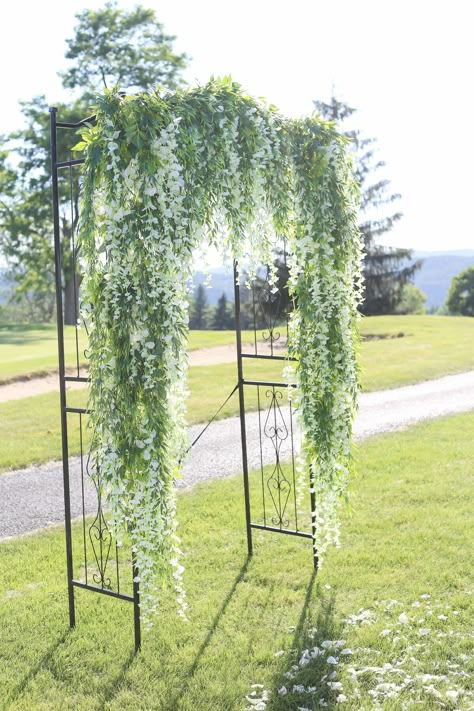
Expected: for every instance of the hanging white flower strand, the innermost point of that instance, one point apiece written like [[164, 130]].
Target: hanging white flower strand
[[162, 175]]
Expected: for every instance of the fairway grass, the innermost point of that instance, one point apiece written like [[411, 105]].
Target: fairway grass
[[28, 350], [398, 595], [431, 346]]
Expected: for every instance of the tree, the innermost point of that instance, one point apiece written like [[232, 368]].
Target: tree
[[223, 317], [412, 301], [115, 47], [461, 293], [386, 269], [198, 317], [125, 47]]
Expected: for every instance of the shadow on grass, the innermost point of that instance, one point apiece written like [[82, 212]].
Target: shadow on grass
[[315, 674], [42, 664], [112, 689], [173, 704]]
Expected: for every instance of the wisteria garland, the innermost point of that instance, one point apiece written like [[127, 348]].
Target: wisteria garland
[[163, 175]]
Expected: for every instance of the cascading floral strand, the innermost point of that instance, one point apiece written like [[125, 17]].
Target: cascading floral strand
[[164, 175]]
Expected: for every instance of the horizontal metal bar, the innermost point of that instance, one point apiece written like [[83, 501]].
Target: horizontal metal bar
[[78, 410], [270, 383], [102, 591], [266, 357], [69, 163], [287, 531], [82, 122], [76, 379]]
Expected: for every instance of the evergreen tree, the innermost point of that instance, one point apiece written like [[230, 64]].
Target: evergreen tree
[[199, 307], [111, 46], [386, 269], [223, 316]]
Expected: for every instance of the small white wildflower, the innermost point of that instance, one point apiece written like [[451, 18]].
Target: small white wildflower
[[282, 691]]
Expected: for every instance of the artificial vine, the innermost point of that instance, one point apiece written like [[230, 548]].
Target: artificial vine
[[163, 175]]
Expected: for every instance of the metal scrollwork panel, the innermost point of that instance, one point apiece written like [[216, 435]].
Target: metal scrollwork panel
[[274, 448], [278, 486], [99, 533]]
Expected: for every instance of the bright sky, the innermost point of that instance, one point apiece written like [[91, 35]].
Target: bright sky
[[405, 64]]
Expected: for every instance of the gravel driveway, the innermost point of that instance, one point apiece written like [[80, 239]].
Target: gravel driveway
[[32, 498]]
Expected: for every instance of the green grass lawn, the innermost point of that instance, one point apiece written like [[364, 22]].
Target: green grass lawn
[[31, 349], [409, 536], [431, 346]]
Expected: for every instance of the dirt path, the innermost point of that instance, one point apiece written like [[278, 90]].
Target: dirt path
[[50, 383]]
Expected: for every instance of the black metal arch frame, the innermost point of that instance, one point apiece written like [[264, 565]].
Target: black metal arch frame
[[102, 563]]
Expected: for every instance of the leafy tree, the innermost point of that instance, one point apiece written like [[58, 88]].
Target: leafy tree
[[223, 317], [124, 47], [412, 301], [198, 318], [386, 269], [461, 293], [115, 47]]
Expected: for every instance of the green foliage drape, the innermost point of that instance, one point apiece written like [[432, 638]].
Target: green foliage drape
[[163, 174]]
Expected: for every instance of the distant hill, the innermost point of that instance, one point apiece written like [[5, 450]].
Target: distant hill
[[221, 281], [437, 271]]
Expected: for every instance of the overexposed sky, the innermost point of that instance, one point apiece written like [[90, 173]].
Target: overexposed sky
[[406, 65]]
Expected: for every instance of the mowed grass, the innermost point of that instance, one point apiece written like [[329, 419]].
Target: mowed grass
[[31, 349], [430, 347], [409, 536]]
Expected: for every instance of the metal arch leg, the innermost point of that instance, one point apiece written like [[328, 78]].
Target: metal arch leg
[[136, 609], [243, 434]]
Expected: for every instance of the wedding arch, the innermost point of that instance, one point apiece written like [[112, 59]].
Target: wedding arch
[[162, 175]]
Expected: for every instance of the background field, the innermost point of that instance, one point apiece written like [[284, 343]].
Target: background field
[[431, 346], [409, 536], [32, 349]]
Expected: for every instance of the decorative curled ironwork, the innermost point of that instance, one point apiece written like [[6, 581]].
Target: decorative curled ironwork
[[277, 484], [99, 533], [269, 300]]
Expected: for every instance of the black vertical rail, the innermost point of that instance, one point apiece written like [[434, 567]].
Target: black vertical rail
[[136, 607], [62, 383], [313, 522], [243, 433]]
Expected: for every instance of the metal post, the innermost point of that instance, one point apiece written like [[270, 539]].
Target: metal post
[[313, 525], [243, 435], [62, 383], [136, 608]]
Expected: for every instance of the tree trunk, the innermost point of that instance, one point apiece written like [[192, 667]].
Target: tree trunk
[[71, 300]]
